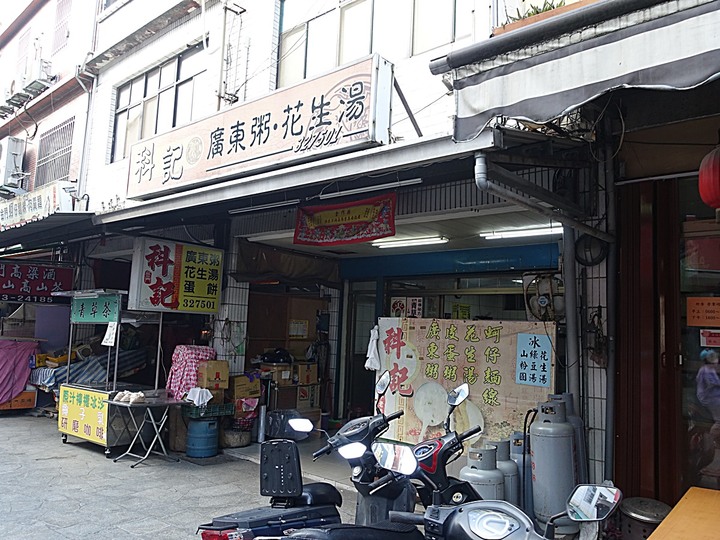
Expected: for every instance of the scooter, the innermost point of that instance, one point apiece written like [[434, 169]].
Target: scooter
[[493, 520], [294, 505], [353, 442]]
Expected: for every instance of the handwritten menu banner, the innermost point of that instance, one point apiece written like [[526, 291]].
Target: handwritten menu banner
[[170, 276], [345, 109], [428, 357], [34, 282]]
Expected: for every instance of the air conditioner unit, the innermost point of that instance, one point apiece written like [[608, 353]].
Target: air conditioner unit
[[14, 96], [12, 152], [39, 77]]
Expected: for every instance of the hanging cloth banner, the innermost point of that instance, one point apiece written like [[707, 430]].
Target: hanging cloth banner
[[346, 223]]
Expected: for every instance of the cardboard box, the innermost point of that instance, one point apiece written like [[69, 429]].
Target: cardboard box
[[307, 372], [218, 396], [243, 386], [308, 396], [282, 374], [213, 374], [26, 400]]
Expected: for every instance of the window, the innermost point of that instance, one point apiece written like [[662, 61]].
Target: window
[[62, 25], [54, 149], [165, 97], [318, 36]]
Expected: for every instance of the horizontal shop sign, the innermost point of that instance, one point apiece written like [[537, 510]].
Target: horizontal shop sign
[[34, 282], [346, 109], [35, 205]]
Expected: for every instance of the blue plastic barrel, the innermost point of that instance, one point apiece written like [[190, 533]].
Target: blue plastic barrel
[[202, 438]]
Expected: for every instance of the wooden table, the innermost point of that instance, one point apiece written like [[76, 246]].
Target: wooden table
[[694, 517]]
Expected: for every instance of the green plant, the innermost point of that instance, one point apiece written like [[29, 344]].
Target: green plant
[[535, 10]]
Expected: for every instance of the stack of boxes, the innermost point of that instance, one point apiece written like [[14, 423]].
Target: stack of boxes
[[215, 376]]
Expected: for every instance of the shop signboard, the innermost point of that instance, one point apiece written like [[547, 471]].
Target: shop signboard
[[507, 364], [703, 311], [343, 110], [175, 277], [95, 309], [38, 204], [346, 223], [27, 281], [83, 413]]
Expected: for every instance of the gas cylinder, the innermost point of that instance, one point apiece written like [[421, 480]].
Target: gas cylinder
[[581, 462], [552, 447], [482, 473], [509, 469], [521, 456]]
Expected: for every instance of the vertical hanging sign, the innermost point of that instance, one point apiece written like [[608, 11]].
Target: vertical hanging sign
[[172, 276]]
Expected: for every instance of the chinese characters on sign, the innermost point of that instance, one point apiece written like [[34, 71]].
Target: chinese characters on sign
[[533, 360], [428, 357], [29, 282], [703, 311], [169, 276], [83, 413], [37, 204], [103, 309], [347, 108]]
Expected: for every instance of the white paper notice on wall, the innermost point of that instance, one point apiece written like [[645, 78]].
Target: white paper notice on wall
[[109, 339]]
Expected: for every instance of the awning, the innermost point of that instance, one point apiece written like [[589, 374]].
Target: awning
[[55, 228], [667, 46]]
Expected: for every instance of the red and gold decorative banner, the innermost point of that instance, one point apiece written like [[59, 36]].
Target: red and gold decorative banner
[[346, 223]]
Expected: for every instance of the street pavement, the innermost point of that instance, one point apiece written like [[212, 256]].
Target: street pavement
[[50, 490]]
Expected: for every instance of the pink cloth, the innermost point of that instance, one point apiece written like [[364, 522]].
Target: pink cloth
[[14, 367], [183, 372]]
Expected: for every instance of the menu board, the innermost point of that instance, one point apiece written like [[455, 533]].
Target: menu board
[[508, 365]]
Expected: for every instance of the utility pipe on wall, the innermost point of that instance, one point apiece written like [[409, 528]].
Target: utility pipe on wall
[[571, 316]]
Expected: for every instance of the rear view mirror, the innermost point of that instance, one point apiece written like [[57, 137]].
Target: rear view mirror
[[592, 502], [303, 425], [382, 383], [458, 395], [395, 457]]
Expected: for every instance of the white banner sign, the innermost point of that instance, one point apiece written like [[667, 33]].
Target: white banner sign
[[36, 205]]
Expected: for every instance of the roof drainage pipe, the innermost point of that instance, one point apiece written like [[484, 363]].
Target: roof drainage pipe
[[484, 183], [540, 31]]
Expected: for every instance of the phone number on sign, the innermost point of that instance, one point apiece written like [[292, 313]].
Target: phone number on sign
[[192, 303], [26, 298]]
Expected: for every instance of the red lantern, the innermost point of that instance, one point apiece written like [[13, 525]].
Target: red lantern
[[709, 180]]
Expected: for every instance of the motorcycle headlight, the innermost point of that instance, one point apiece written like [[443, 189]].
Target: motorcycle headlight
[[352, 451], [491, 525]]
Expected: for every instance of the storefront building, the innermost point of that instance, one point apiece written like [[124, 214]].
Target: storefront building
[[652, 119]]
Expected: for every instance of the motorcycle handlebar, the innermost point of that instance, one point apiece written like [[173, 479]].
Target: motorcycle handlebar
[[393, 416], [324, 450], [406, 517], [380, 481], [469, 433]]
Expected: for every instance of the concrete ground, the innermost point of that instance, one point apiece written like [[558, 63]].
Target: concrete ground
[[50, 490]]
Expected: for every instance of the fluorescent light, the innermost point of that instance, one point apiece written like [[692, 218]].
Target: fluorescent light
[[523, 233], [268, 206], [357, 191], [408, 242]]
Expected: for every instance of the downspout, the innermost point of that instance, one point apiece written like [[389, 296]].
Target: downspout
[[612, 269], [483, 182], [571, 315], [82, 180]]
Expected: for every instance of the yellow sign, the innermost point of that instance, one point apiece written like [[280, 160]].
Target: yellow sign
[[83, 414], [703, 311]]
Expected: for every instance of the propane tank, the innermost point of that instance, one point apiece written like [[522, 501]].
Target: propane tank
[[552, 447], [482, 473], [576, 422], [509, 469], [522, 457]]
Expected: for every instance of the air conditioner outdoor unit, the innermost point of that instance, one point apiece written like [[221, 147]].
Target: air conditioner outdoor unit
[[39, 77], [12, 151]]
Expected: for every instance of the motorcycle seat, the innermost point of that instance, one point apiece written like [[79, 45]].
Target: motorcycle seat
[[346, 531], [317, 494]]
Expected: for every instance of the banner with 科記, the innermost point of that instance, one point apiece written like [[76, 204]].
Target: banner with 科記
[[508, 366], [346, 223]]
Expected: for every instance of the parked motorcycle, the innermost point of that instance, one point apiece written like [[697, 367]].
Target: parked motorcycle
[[295, 506], [493, 520]]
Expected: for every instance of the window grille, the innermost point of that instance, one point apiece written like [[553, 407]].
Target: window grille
[[54, 152]]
